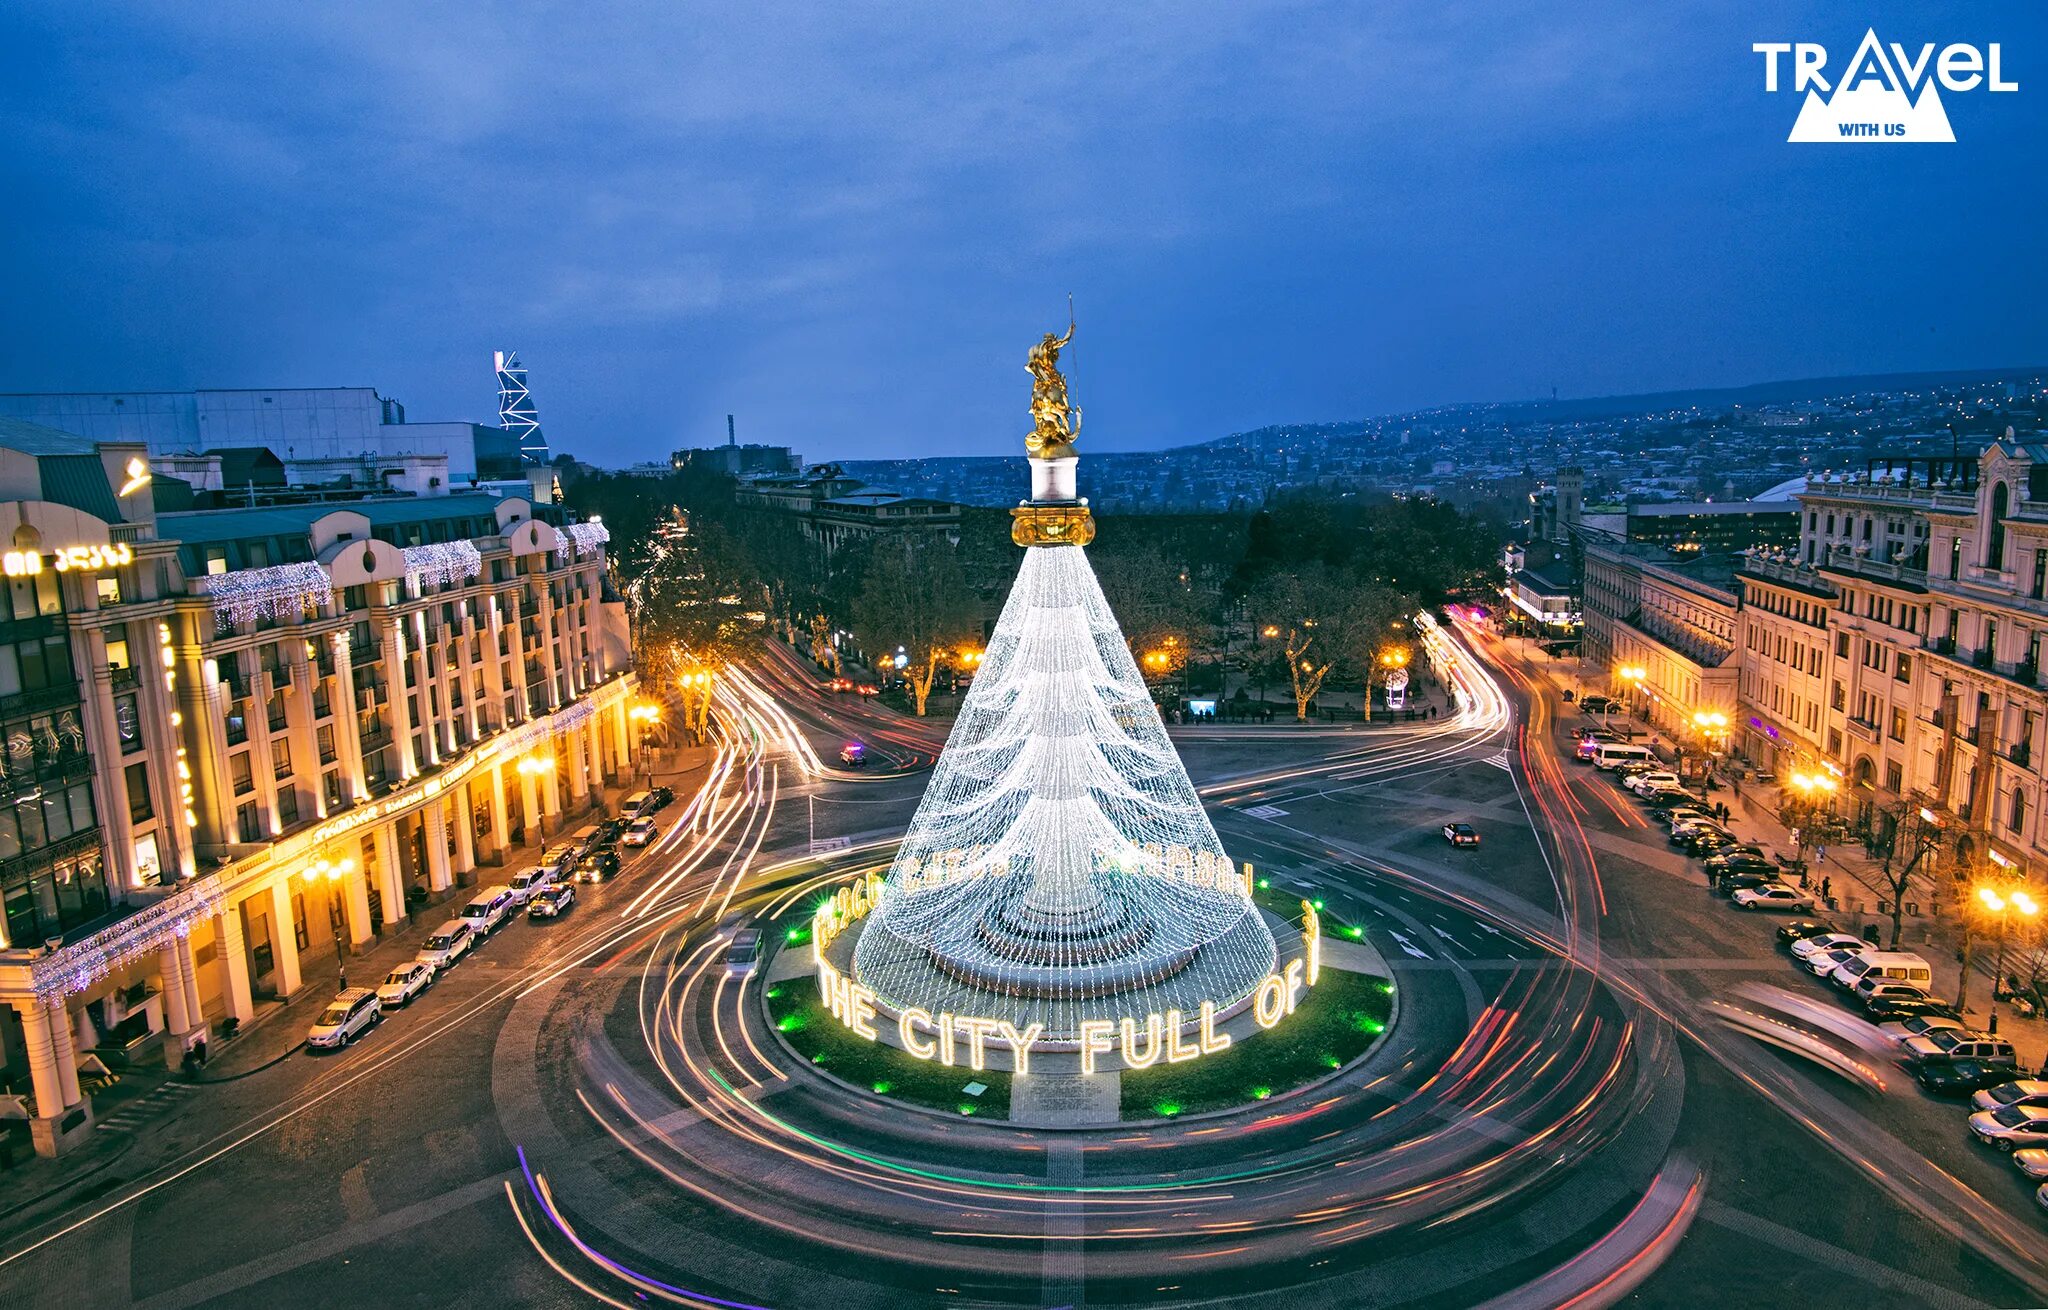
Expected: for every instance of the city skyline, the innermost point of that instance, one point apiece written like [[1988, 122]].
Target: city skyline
[[840, 233]]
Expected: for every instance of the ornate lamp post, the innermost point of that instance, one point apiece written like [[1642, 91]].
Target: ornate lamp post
[[646, 715], [2002, 904], [333, 872]]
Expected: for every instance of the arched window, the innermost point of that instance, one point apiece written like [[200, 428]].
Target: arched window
[[2019, 811], [1994, 530]]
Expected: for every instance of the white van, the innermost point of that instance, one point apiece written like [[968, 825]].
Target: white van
[[1612, 754], [583, 839], [1891, 966], [633, 804], [447, 944], [528, 881], [488, 908]]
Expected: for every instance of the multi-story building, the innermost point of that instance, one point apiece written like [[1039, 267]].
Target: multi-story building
[[1675, 619], [833, 511], [239, 741]]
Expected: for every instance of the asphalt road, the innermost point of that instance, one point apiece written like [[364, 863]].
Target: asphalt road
[[388, 1175]]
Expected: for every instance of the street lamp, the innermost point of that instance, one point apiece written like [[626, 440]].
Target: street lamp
[[646, 714], [537, 767], [2004, 905], [333, 872], [1395, 657]]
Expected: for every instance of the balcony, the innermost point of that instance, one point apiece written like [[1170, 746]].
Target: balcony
[[43, 698], [125, 678], [1865, 729], [2022, 754], [1981, 658], [1942, 645]]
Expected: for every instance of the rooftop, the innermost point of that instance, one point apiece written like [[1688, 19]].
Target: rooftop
[[35, 439]]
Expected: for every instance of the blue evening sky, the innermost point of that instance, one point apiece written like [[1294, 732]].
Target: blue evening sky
[[846, 222]]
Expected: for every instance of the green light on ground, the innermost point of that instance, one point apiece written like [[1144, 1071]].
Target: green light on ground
[[882, 1088], [790, 1023], [1332, 1062], [1388, 987], [966, 1109], [794, 935], [1265, 883], [819, 1058], [1261, 1093], [1167, 1109], [1366, 1025], [1354, 932], [774, 992], [1318, 903]]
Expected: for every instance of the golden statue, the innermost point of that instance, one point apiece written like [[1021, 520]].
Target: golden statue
[[1054, 421]]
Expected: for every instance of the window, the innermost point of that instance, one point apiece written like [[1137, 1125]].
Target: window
[[1955, 557], [1894, 778], [139, 808], [281, 758], [2018, 821], [127, 723], [2040, 574], [1903, 670], [249, 822], [324, 738], [109, 588], [238, 769], [288, 805], [1898, 730], [1841, 645], [1994, 529], [216, 560]]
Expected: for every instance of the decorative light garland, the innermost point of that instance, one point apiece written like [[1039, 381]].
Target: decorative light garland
[[439, 563], [585, 538], [79, 965], [277, 592]]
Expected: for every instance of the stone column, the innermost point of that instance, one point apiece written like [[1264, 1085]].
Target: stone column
[[494, 664], [177, 1019], [396, 692], [355, 894], [529, 805], [262, 764], [65, 1054], [301, 733], [465, 836], [284, 938], [42, 1057], [579, 768], [188, 973], [389, 882], [437, 847], [348, 743], [234, 959], [630, 742], [501, 822]]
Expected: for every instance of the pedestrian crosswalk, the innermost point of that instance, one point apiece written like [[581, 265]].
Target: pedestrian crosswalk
[[135, 1112]]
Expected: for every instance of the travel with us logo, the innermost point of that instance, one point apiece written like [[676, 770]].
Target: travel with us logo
[[1885, 92]]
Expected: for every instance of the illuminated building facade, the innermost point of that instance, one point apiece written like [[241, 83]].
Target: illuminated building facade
[[240, 741]]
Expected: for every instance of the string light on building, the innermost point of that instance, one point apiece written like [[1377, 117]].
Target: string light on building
[[278, 592], [439, 563]]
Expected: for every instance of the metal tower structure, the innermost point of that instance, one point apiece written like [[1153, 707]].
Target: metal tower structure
[[516, 413]]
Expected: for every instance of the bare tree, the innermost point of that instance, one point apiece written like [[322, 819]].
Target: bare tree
[[916, 598]]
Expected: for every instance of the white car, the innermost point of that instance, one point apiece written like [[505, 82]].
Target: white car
[[640, 832], [1823, 963], [1772, 896], [348, 1016], [1905, 1030], [403, 983], [2032, 1161], [2012, 1127], [447, 944], [2026, 1091], [1827, 941], [1649, 780]]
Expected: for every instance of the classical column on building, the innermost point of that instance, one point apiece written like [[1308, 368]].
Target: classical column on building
[[262, 762], [161, 738], [284, 939], [530, 805], [109, 783], [464, 671], [347, 740], [630, 743], [202, 721], [391, 638], [436, 842], [494, 663], [593, 745], [233, 953], [390, 885], [354, 888], [298, 716], [578, 744], [548, 617], [519, 653], [501, 820], [41, 1048], [65, 1054], [177, 1013], [464, 820]]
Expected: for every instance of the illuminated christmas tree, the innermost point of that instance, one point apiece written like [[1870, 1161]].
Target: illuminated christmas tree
[[1060, 866]]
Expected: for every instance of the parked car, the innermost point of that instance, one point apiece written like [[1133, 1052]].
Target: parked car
[[1596, 705], [1883, 990], [1887, 966], [348, 1016], [1642, 783], [1823, 963], [1728, 884], [2011, 1126], [403, 983], [1961, 1077], [1772, 896], [1819, 942], [600, 866], [1898, 1009], [1728, 862], [447, 944], [528, 881], [487, 909], [662, 797], [551, 901], [640, 802], [1663, 798], [2024, 1091], [2032, 1161], [1904, 1030], [610, 830], [1957, 1044], [1800, 929], [1461, 834], [640, 832]]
